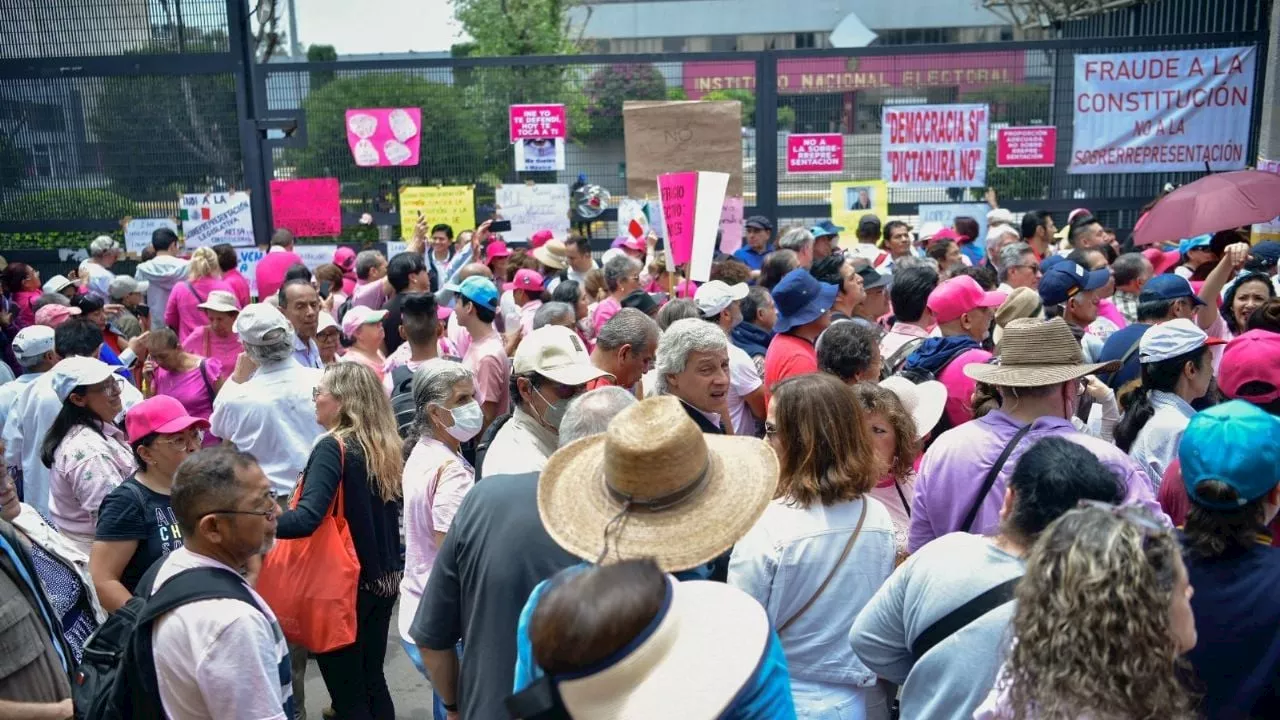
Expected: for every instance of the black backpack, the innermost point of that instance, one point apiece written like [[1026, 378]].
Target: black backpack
[[402, 404], [116, 678]]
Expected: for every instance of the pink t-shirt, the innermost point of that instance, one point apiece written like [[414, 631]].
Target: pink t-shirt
[[487, 360], [435, 481], [960, 387], [24, 300], [203, 342], [355, 357], [458, 335], [195, 389], [371, 295], [1108, 310], [271, 269], [526, 316], [239, 285], [607, 308], [182, 313]]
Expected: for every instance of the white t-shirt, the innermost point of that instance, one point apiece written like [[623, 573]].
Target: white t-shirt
[[743, 380], [219, 658]]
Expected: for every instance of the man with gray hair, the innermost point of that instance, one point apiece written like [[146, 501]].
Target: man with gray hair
[[128, 293], [799, 241], [96, 271], [554, 313], [693, 366], [625, 348], [591, 413], [1018, 267], [371, 266]]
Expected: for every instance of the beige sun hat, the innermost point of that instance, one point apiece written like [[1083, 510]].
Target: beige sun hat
[[653, 486], [553, 254], [1034, 353], [1023, 302]]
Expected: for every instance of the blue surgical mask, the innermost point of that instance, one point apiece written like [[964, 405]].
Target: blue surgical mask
[[467, 420]]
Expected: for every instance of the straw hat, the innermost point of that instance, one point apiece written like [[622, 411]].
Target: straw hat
[[553, 254], [1023, 302], [658, 486], [1034, 353]]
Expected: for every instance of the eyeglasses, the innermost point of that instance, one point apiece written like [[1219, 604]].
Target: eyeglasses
[[317, 391], [183, 439], [270, 514], [770, 430], [106, 387]]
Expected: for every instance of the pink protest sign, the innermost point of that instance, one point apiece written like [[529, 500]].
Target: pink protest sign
[[381, 137], [537, 122], [1032, 146], [816, 153], [679, 194], [731, 225], [307, 208]]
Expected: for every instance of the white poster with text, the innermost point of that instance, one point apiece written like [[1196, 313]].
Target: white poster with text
[[531, 208], [934, 145], [1164, 111]]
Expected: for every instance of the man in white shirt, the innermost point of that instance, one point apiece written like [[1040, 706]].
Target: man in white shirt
[[96, 271], [269, 413], [162, 273], [221, 658], [578, 251], [300, 304], [33, 346], [720, 304]]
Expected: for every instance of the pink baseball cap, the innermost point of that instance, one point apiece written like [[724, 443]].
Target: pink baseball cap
[[960, 295], [54, 315], [635, 243], [540, 238], [344, 257], [947, 233], [160, 414], [1250, 358], [497, 249], [525, 280]]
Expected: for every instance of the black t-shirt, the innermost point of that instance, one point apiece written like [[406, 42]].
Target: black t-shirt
[[391, 324], [134, 511]]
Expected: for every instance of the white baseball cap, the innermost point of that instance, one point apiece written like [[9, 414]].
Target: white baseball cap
[[257, 321], [1173, 338], [33, 341], [325, 322], [713, 297], [557, 353], [73, 372]]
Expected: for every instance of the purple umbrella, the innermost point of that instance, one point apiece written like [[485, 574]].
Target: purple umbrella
[[1222, 201]]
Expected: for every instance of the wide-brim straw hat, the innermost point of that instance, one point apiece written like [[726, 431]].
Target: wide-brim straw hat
[[553, 254], [661, 489], [1034, 353]]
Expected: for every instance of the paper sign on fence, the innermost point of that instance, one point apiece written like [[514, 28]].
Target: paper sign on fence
[[852, 199], [381, 137], [537, 155], [934, 145], [1030, 146], [706, 222], [945, 214], [249, 258], [1267, 230], [678, 193], [453, 205], [307, 208], [537, 122], [212, 218], [531, 208], [1163, 111], [731, 225], [137, 232], [815, 153], [313, 256]]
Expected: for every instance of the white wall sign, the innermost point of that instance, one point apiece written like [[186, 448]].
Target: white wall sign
[[531, 208]]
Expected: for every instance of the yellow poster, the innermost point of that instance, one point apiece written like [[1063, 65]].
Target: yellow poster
[[852, 199], [453, 205]]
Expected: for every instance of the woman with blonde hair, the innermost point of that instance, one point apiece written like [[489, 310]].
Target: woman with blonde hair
[[822, 547], [1103, 617], [204, 275], [361, 454]]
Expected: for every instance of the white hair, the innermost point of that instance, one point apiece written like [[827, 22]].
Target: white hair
[[102, 245], [590, 413], [796, 239], [681, 339], [120, 286], [1009, 256], [273, 351], [617, 268], [553, 313]]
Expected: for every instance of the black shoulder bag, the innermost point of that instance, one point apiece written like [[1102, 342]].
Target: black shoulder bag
[[991, 478]]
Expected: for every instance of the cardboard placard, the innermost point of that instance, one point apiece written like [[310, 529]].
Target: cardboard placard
[[453, 205], [531, 208], [852, 199], [307, 208], [663, 137], [137, 232], [382, 137], [212, 218]]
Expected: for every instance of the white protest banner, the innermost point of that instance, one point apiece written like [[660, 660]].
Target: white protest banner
[[706, 223], [212, 218], [1163, 111], [531, 208], [249, 258], [137, 233], [535, 155], [934, 145], [313, 256]]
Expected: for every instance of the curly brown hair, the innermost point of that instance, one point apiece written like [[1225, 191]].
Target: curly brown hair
[[1094, 637], [878, 400], [826, 451]]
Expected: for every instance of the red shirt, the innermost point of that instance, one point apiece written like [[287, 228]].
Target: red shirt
[[787, 356], [271, 269]]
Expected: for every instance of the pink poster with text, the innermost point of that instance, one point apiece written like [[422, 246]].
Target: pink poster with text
[[537, 122], [679, 195], [307, 208], [815, 153], [1031, 146], [385, 137]]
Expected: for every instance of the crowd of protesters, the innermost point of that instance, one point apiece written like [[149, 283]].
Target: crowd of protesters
[[900, 472]]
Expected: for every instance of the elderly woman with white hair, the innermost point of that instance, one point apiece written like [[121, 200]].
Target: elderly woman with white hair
[[799, 241], [621, 276], [693, 366], [436, 476]]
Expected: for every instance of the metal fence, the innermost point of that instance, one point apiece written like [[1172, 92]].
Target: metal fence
[[145, 111]]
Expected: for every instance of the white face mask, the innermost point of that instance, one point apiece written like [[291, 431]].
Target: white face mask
[[467, 420]]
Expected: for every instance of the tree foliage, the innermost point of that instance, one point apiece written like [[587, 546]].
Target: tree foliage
[[13, 162], [786, 115], [610, 86]]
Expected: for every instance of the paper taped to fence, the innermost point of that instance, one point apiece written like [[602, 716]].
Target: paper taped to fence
[[453, 205], [731, 225], [307, 208], [1162, 111], [382, 137], [531, 208], [665, 137], [539, 155], [934, 145], [249, 257], [852, 199], [213, 218], [137, 232]]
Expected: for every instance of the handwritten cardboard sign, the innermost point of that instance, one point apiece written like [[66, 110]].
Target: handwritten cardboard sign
[[137, 232], [453, 205], [307, 208], [934, 145], [1030, 146], [678, 193], [212, 218], [537, 122], [663, 137], [380, 137], [731, 225], [531, 208], [815, 153]]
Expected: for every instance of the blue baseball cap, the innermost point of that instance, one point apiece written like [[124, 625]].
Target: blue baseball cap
[[1235, 443], [478, 289], [1064, 279], [824, 228], [1167, 287], [1047, 264], [800, 299], [1191, 243]]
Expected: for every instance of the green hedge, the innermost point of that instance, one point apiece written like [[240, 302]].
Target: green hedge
[[69, 205]]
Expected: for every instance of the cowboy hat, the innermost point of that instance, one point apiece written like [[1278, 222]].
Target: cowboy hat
[[1034, 353], [653, 486], [924, 402]]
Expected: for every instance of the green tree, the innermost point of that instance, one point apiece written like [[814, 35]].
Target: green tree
[[1013, 104], [786, 115], [13, 162], [611, 86], [321, 53]]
